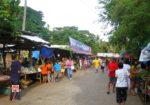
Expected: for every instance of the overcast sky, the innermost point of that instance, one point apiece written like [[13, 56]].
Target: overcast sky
[[80, 13]]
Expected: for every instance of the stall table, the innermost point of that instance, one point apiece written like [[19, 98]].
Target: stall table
[[38, 75], [4, 83]]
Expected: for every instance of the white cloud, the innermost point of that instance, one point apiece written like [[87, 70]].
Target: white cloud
[[80, 13]]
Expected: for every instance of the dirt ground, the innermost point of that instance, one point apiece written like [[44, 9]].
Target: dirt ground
[[86, 88]]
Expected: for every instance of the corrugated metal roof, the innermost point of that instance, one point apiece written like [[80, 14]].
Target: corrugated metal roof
[[35, 39]]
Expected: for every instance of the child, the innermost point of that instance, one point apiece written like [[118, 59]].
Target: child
[[62, 68], [57, 69], [44, 70]]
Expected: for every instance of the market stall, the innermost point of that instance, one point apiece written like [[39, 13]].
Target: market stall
[[26, 73], [24, 46], [61, 51], [4, 84], [144, 82]]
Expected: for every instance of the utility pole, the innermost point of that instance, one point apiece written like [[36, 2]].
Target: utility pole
[[24, 16]]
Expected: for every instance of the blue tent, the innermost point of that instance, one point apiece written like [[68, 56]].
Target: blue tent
[[46, 52]]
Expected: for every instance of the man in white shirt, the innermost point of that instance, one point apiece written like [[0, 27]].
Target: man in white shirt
[[121, 84]]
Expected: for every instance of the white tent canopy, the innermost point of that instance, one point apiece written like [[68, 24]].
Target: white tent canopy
[[65, 47], [145, 54], [116, 55]]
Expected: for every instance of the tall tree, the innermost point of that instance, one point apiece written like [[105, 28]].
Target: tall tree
[[60, 35], [34, 22], [131, 21], [9, 10]]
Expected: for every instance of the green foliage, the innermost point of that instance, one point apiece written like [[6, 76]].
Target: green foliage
[[61, 36], [131, 19], [9, 10], [34, 22]]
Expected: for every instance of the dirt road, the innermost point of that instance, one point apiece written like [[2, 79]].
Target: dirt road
[[86, 88]]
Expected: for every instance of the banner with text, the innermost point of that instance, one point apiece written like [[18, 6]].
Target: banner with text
[[79, 47]]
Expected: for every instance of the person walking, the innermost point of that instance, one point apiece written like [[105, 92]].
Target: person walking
[[85, 64], [121, 84], [112, 67], [69, 67], [80, 63], [62, 68], [15, 78], [96, 64], [57, 70]]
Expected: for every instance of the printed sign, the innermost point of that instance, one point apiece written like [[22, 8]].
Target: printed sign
[[79, 47], [15, 88]]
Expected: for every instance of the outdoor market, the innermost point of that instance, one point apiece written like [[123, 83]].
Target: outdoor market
[[74, 52], [34, 50]]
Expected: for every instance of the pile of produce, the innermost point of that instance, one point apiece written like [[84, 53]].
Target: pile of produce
[[26, 70]]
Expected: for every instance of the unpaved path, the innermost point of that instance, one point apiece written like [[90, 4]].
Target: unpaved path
[[86, 88]]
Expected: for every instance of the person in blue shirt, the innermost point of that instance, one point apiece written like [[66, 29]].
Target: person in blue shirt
[[57, 70]]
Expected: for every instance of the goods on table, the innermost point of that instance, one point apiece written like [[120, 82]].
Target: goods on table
[[26, 70], [26, 82]]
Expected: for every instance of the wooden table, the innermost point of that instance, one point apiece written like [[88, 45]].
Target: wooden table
[[38, 75]]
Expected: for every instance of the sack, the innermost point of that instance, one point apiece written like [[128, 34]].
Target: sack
[[39, 69]]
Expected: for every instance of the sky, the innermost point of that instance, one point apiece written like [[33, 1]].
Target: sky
[[83, 14]]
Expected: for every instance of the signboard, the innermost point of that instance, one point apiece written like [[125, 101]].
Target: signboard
[[15, 88], [79, 47], [116, 55]]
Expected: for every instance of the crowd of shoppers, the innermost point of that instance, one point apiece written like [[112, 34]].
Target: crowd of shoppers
[[122, 73]]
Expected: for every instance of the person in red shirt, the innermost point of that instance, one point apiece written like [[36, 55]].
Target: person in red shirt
[[112, 67]]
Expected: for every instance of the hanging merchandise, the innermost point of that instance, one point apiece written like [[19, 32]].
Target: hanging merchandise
[[25, 53], [36, 54]]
